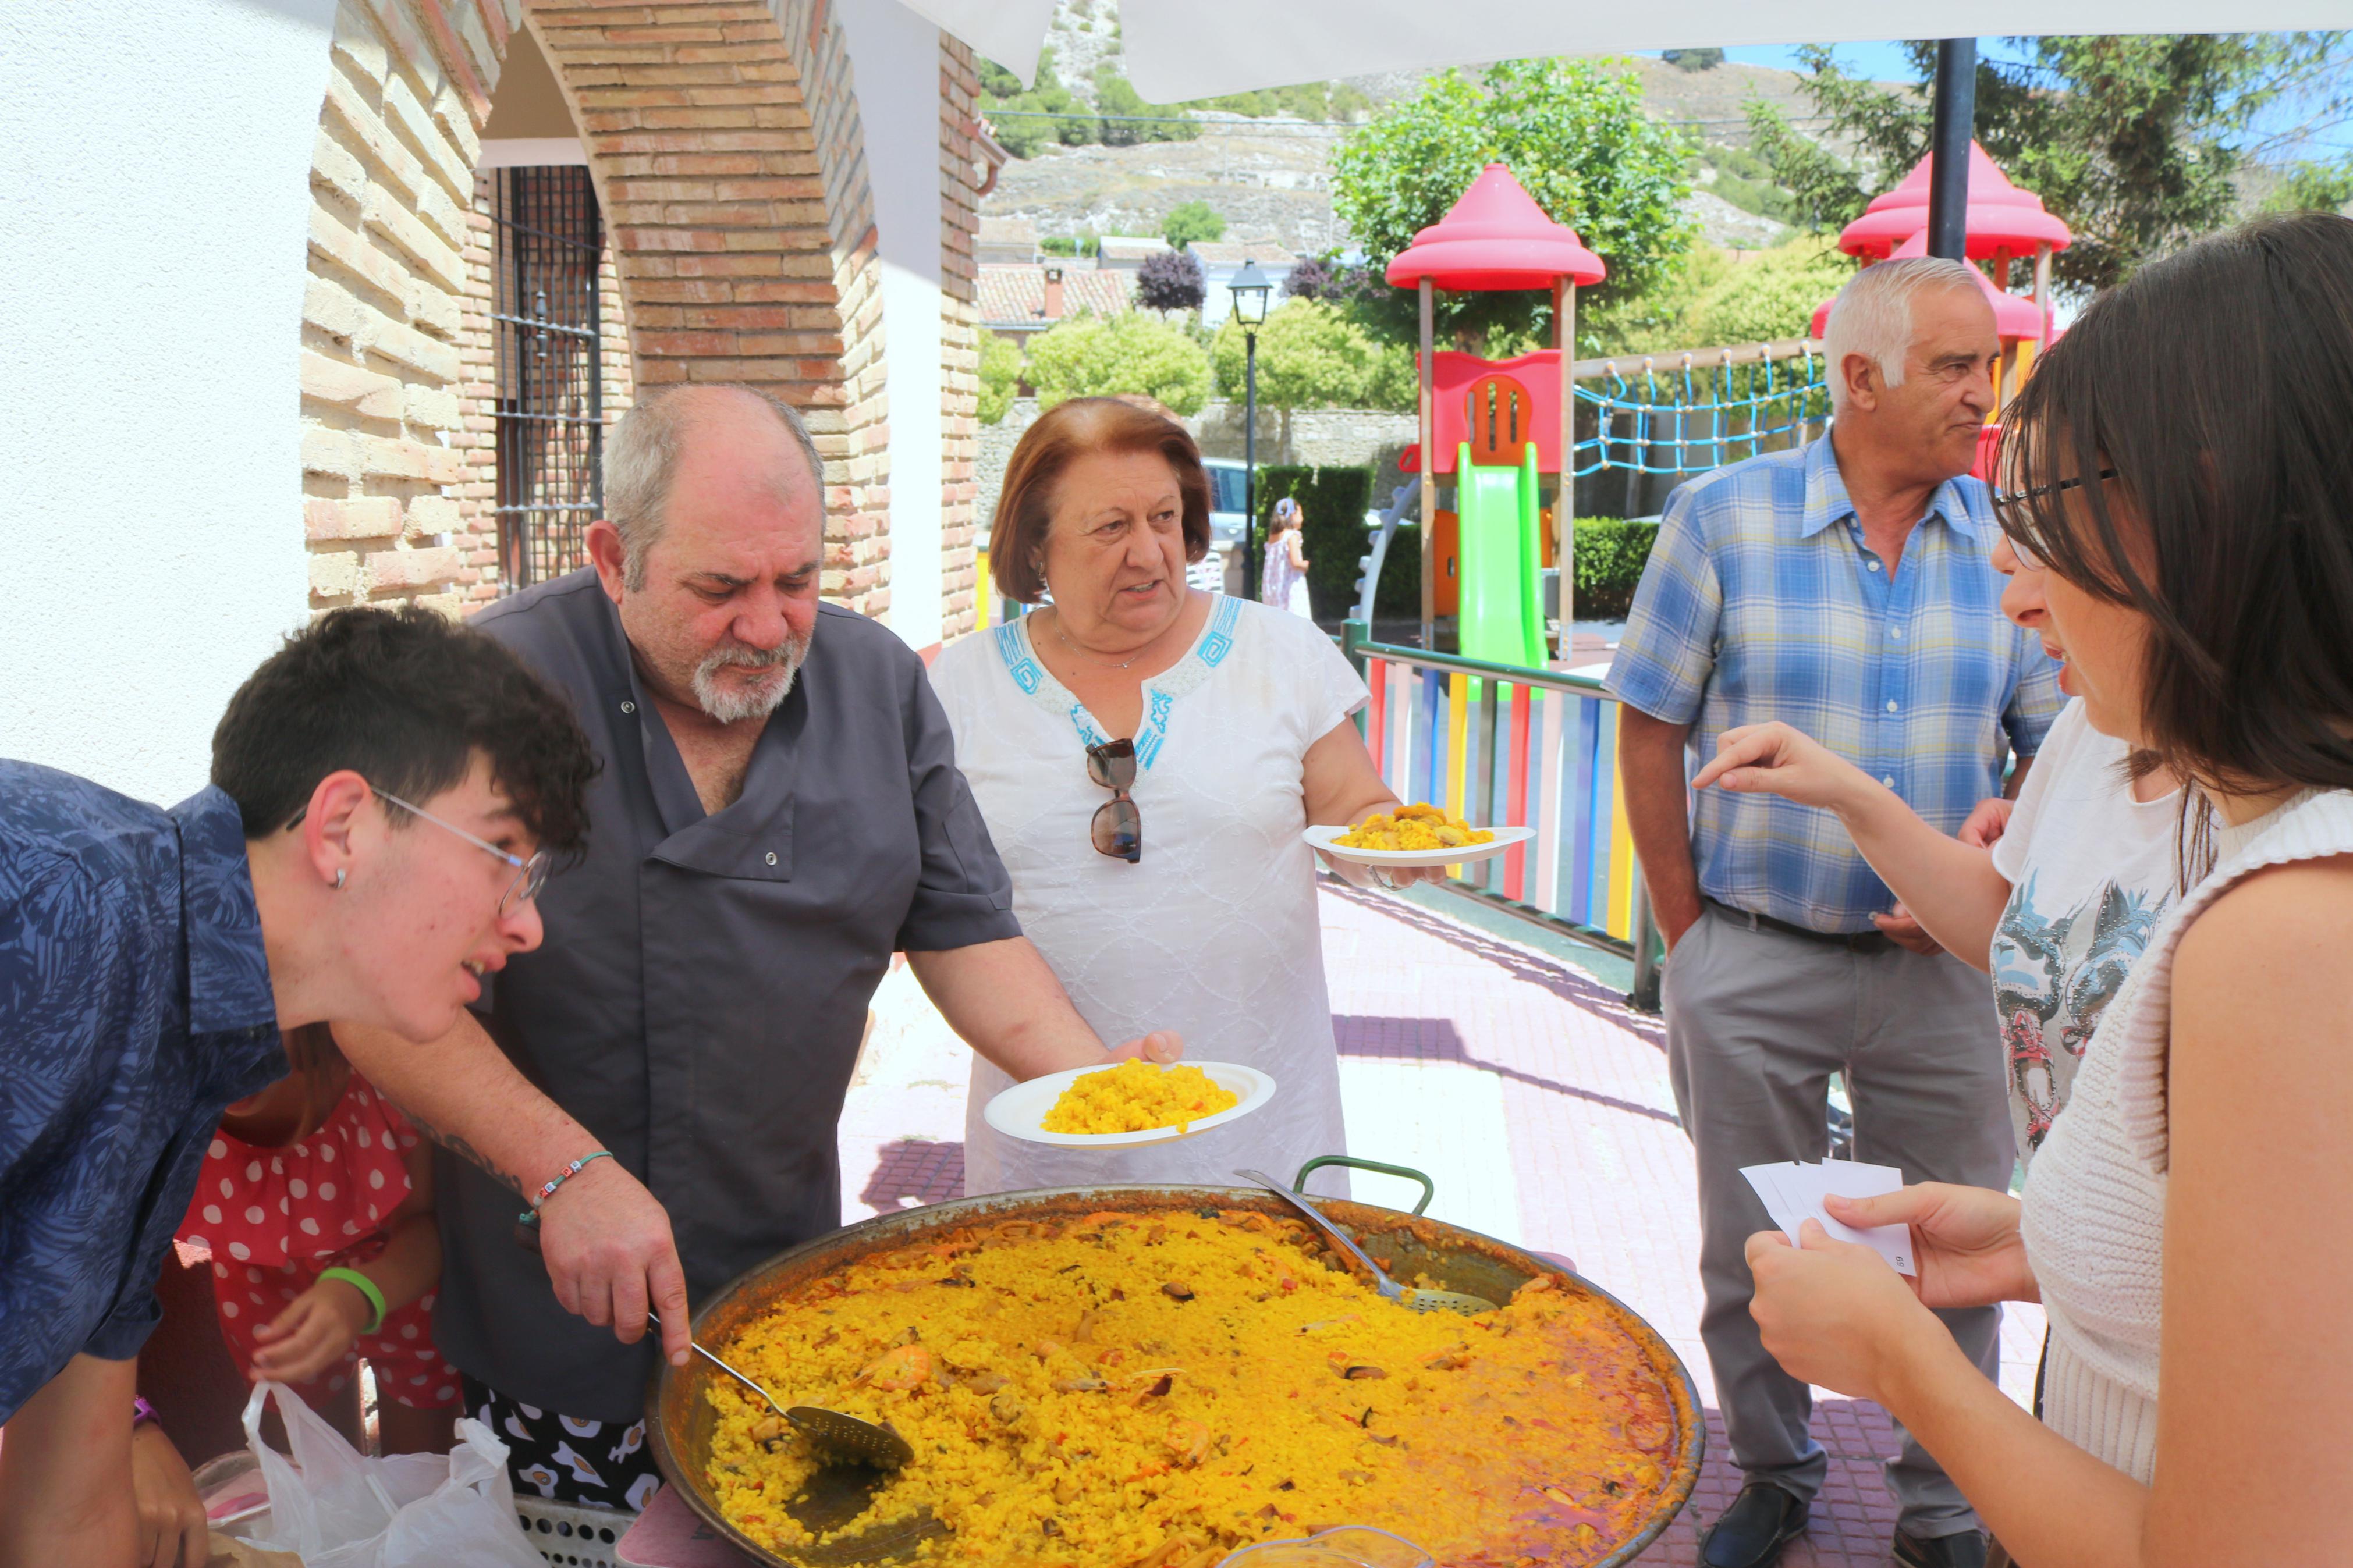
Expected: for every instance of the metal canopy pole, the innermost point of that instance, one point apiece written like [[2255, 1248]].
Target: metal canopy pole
[[1429, 466], [1949, 145], [1564, 510], [1251, 567]]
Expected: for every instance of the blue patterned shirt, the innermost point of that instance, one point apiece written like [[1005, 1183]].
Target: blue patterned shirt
[[1761, 602], [134, 1004]]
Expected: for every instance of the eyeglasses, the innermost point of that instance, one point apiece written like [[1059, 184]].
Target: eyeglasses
[[1118, 826], [530, 875], [2010, 510]]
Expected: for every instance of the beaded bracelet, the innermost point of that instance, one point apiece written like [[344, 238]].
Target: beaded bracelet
[[530, 1216], [366, 1286]]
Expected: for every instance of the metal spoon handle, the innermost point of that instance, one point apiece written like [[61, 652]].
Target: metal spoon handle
[[1387, 1286], [723, 1366]]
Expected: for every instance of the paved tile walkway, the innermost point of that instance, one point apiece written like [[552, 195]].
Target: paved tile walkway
[[1537, 1101]]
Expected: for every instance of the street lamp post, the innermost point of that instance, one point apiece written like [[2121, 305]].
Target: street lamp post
[[1250, 289]]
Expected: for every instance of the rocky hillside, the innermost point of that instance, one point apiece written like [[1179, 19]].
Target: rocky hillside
[[1270, 177]]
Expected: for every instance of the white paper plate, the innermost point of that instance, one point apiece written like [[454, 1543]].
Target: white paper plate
[[1468, 854], [1017, 1111]]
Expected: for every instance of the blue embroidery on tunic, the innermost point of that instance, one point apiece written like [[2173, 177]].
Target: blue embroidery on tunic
[[1220, 640], [1155, 727], [1032, 676], [1025, 670]]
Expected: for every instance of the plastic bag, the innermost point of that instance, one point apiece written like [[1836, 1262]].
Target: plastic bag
[[340, 1509]]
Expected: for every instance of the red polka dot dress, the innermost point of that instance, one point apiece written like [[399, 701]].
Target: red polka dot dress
[[275, 1218]]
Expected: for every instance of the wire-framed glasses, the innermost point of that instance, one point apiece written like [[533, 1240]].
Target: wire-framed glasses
[[530, 875], [1118, 828], [2010, 510]]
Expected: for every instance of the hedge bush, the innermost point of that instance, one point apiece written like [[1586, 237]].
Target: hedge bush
[[1334, 500], [1611, 551], [1611, 555]]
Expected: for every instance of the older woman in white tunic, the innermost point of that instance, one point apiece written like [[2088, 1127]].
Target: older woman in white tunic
[[1186, 898]]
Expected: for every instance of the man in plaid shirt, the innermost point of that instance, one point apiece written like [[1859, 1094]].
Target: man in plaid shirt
[[1845, 588]]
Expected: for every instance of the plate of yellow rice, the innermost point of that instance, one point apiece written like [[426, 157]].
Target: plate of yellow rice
[[1130, 1105], [1415, 835]]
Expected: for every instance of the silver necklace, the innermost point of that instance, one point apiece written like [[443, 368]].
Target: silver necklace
[[1089, 658]]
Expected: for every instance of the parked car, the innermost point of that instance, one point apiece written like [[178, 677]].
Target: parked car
[[1229, 523]]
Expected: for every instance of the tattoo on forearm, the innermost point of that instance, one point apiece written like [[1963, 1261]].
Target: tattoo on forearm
[[468, 1153]]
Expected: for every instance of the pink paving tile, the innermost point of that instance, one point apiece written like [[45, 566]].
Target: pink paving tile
[[912, 1172]]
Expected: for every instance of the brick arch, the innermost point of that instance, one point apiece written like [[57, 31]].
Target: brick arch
[[724, 141], [725, 145]]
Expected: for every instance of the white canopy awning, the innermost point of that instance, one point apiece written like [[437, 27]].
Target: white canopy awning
[[1177, 50]]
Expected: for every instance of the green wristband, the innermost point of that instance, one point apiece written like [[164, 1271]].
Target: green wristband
[[366, 1286]]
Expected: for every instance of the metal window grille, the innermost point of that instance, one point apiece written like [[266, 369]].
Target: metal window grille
[[548, 237]]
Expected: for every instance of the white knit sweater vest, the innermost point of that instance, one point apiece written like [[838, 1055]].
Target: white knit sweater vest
[[2095, 1205]]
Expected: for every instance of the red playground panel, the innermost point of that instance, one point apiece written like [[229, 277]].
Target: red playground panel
[[1525, 405]]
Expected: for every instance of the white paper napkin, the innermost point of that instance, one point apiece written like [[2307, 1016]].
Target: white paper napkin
[[1793, 1194]]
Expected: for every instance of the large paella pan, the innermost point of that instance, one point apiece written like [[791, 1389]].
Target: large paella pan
[[1073, 1344]]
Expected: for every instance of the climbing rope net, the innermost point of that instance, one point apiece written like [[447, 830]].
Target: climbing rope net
[[1679, 414]]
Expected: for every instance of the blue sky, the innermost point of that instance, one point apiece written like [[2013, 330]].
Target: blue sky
[[1888, 62], [1883, 61]]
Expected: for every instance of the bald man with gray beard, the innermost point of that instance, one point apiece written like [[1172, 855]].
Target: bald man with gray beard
[[779, 811]]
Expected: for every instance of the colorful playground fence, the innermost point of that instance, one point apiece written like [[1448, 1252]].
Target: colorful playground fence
[[1504, 744]]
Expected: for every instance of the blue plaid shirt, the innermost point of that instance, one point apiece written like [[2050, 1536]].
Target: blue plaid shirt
[[134, 1004], [1760, 602]]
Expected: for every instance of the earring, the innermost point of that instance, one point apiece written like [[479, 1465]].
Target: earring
[[340, 874]]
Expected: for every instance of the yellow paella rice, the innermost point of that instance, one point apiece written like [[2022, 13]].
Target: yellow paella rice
[[1138, 1097], [1157, 1388], [1414, 828]]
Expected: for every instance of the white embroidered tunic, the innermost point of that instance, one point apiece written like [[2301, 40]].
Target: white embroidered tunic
[[1214, 933]]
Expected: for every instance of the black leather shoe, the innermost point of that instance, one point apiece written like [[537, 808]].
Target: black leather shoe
[[1965, 1550], [1750, 1534]]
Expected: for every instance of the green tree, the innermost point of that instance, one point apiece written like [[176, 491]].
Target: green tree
[[1128, 120], [1825, 190], [1692, 59], [1311, 355], [1769, 296], [2136, 141], [1087, 356], [1000, 376], [1044, 115], [1572, 132], [2313, 187], [1324, 100], [1190, 221]]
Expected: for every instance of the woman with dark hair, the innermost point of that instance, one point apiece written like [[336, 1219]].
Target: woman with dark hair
[[2179, 485], [1145, 756]]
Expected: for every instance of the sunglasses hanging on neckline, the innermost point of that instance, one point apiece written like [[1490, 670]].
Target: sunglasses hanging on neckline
[[1117, 829]]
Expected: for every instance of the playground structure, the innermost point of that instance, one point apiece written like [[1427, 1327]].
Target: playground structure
[[1495, 428], [1499, 730]]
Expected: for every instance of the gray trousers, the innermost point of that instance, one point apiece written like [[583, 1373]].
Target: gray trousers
[[1757, 1022]]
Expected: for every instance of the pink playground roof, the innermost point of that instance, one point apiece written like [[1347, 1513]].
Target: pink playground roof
[[2014, 315], [2001, 216], [1495, 238]]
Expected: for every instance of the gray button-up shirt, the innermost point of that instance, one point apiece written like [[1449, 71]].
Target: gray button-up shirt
[[698, 1000]]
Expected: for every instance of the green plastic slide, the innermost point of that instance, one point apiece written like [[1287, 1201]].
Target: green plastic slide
[[1499, 552]]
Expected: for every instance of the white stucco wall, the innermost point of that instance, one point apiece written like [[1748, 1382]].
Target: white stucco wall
[[895, 64], [154, 190]]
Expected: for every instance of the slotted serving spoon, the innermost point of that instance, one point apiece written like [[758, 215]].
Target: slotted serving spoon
[[1411, 1298], [842, 1439], [859, 1458]]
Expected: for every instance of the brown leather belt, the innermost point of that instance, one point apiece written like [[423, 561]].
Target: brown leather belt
[[1852, 941]]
